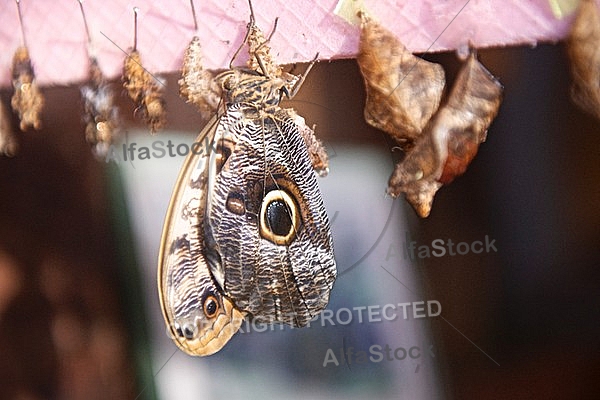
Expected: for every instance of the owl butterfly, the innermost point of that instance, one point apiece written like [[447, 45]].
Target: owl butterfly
[[27, 101], [246, 233], [584, 52], [403, 98], [8, 143], [100, 112]]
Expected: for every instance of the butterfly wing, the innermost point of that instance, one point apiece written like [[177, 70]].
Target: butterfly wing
[[267, 221], [200, 319]]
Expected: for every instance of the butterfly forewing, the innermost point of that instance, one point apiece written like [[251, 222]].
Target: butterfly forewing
[[267, 218]]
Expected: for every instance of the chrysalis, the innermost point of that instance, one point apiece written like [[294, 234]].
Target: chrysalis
[[197, 85], [403, 91], [144, 89], [260, 58], [8, 142], [451, 139], [100, 113], [403, 98], [27, 101], [584, 52]]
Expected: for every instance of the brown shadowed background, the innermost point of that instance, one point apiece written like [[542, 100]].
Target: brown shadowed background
[[519, 323]]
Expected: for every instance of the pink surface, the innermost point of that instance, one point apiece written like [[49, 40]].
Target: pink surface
[[56, 37]]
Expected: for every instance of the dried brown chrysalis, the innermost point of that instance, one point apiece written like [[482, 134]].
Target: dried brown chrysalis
[[145, 91], [403, 91], [260, 59], [100, 112], [584, 52], [451, 139], [260, 51], [8, 142], [403, 97], [197, 85], [27, 101]]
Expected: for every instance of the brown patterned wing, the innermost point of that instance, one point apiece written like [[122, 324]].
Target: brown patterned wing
[[199, 317]]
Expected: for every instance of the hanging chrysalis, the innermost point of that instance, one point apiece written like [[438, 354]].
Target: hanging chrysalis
[[584, 53], [8, 142], [259, 51], [451, 139], [27, 101], [143, 88], [101, 116], [100, 113], [198, 85], [403, 91]]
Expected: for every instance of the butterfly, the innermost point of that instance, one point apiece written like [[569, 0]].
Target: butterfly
[[246, 232]]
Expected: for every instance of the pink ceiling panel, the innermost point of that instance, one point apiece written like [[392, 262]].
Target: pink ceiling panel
[[56, 38]]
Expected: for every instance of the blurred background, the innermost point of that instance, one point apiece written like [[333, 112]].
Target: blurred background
[[79, 313]]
